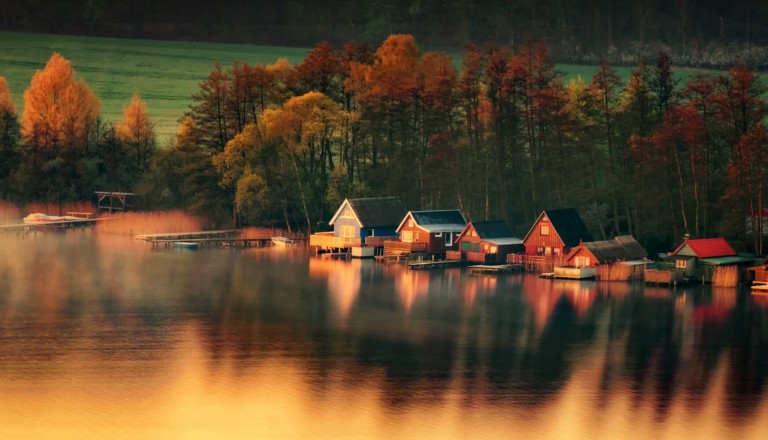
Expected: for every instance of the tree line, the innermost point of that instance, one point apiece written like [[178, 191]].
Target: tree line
[[697, 32], [498, 135]]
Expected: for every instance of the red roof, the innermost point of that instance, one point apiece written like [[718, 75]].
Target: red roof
[[708, 247]]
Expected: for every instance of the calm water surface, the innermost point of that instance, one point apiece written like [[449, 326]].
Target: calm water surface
[[103, 337]]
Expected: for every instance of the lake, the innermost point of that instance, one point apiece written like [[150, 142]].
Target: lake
[[104, 337]]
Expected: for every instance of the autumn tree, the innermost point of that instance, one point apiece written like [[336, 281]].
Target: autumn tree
[[608, 91], [9, 140], [137, 131], [59, 119]]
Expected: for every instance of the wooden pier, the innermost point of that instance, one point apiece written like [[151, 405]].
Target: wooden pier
[[221, 238], [496, 269], [440, 264]]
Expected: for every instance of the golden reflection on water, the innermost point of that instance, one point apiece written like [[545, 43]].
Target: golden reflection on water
[[114, 340]]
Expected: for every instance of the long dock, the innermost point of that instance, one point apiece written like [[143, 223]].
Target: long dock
[[219, 238], [483, 269], [441, 264]]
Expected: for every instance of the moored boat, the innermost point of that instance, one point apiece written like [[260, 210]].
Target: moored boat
[[186, 244], [281, 241]]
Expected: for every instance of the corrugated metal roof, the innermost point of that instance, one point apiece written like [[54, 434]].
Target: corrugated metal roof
[[506, 241], [707, 247], [726, 261], [624, 247], [448, 220]]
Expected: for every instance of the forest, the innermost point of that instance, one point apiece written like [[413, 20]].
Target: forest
[[700, 33], [498, 135]]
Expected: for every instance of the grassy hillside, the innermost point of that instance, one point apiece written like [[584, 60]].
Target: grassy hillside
[[165, 73]]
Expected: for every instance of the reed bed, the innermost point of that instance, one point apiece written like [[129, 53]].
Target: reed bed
[[8, 212], [613, 272], [725, 276], [133, 223], [262, 232]]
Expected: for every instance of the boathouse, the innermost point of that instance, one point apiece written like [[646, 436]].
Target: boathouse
[[620, 259], [486, 242], [427, 232], [361, 222], [710, 260], [552, 236]]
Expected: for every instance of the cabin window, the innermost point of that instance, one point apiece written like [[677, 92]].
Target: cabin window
[[494, 250], [347, 214], [681, 264], [556, 251], [547, 250], [410, 222], [473, 233], [448, 239], [544, 230], [347, 231], [582, 261], [407, 236], [540, 250], [438, 234]]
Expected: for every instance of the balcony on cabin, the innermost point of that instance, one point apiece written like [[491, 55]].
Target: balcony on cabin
[[403, 247], [379, 240], [481, 257], [327, 240]]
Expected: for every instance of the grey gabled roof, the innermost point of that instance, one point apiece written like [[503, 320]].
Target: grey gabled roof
[[447, 220], [622, 248], [569, 226], [376, 212]]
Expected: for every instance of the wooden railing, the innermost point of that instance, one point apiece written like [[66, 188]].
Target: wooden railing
[[327, 240], [393, 246], [379, 240]]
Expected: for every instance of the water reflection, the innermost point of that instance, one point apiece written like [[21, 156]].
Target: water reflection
[[97, 333]]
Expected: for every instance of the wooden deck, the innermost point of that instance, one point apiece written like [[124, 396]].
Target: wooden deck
[[440, 264], [496, 269], [663, 277]]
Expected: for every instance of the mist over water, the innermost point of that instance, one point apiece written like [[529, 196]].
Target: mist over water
[[104, 337]]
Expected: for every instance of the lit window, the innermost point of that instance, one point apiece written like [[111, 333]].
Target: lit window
[[681, 264], [544, 230], [474, 233], [348, 214], [347, 231], [407, 236]]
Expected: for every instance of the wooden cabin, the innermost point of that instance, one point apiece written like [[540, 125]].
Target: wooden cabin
[[710, 260], [620, 259], [487, 242], [552, 236], [428, 232], [359, 223]]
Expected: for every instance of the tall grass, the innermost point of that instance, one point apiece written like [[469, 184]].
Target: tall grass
[[134, 223], [725, 276]]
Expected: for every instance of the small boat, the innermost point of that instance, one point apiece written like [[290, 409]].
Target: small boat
[[760, 287], [281, 241], [39, 218], [186, 244]]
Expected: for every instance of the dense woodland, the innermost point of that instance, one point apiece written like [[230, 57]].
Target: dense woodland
[[499, 136], [694, 32]]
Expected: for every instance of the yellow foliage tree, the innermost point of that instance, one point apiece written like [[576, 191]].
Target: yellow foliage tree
[[138, 131]]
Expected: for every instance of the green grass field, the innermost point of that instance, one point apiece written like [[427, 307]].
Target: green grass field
[[165, 73]]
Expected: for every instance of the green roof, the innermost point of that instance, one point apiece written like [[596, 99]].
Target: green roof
[[726, 261]]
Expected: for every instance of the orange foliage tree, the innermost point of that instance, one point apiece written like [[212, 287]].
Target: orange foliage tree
[[59, 118], [138, 132]]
